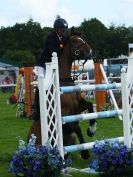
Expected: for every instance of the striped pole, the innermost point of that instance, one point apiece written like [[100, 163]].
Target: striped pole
[[85, 146], [84, 81], [88, 116], [79, 88]]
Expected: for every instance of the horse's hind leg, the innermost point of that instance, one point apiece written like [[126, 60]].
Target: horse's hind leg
[[84, 153], [68, 139], [36, 130], [36, 106]]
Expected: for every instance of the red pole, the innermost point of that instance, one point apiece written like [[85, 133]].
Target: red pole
[[100, 95], [28, 98]]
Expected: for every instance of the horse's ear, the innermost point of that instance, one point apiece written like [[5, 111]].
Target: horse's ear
[[72, 32]]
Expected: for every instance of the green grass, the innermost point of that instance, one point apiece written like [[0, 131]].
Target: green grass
[[12, 127]]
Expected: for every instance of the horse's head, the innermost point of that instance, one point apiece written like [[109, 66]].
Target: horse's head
[[75, 49], [79, 48]]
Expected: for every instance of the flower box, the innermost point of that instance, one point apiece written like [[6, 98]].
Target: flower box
[[29, 161], [111, 158]]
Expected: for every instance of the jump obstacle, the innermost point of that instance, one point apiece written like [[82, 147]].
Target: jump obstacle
[[51, 80], [27, 76]]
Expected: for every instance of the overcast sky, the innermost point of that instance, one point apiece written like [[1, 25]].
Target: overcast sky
[[118, 12]]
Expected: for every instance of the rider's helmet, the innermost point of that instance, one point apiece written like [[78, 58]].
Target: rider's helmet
[[60, 23]]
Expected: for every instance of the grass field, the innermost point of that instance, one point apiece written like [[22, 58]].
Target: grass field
[[12, 127]]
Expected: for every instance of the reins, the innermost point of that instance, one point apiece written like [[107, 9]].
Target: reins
[[75, 76]]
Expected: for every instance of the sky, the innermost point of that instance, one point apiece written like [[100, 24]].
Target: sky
[[109, 12]]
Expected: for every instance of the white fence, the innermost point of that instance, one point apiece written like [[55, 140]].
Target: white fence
[[51, 109]]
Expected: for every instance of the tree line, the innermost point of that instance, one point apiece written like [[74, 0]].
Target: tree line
[[23, 42]]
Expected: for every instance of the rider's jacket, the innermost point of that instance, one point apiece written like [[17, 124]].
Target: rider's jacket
[[53, 43]]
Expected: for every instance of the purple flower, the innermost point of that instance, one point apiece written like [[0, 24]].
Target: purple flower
[[43, 150], [37, 165], [33, 162], [115, 162], [111, 155], [17, 160]]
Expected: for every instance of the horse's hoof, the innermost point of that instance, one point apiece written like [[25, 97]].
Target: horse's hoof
[[66, 156], [90, 133], [85, 154]]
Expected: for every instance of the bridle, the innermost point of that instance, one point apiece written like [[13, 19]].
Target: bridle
[[76, 56], [77, 52]]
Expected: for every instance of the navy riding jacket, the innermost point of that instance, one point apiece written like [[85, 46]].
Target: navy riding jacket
[[52, 44]]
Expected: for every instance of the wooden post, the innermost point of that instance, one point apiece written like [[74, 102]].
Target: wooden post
[[100, 95], [28, 99]]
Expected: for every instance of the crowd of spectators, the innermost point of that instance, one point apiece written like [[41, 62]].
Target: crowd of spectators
[[5, 82]]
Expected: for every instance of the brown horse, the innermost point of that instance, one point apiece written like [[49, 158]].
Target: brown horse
[[71, 104]]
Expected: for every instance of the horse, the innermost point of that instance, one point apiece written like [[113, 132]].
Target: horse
[[71, 103]]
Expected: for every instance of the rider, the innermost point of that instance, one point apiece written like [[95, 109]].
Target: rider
[[55, 42]]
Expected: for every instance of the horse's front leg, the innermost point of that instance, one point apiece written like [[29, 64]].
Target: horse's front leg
[[84, 153], [92, 129], [86, 105]]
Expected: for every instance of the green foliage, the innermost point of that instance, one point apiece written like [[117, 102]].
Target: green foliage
[[96, 35], [22, 41], [118, 40], [23, 56], [107, 107], [28, 39]]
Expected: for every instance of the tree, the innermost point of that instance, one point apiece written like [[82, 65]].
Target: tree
[[20, 57], [24, 37], [96, 35], [29, 38], [118, 40]]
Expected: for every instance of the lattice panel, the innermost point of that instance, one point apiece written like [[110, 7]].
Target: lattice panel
[[51, 114], [130, 88]]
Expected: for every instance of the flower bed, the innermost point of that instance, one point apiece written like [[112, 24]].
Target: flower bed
[[30, 161], [111, 157]]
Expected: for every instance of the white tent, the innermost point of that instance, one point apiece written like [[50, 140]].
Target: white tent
[[7, 70]]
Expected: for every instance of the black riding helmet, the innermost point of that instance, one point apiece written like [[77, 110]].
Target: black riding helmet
[[60, 23]]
